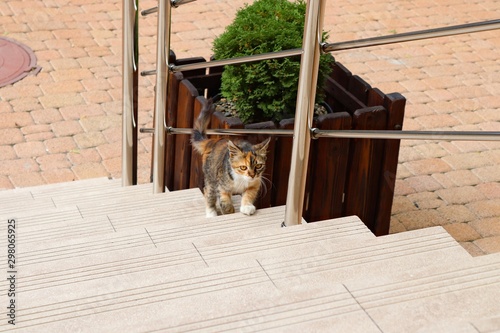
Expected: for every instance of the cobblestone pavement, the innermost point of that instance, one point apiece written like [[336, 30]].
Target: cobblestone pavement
[[64, 123]]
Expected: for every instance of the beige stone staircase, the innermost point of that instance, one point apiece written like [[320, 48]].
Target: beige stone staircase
[[93, 256]]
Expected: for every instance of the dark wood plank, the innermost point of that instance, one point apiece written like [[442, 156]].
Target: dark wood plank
[[395, 105], [342, 100], [182, 165], [364, 166], [359, 88], [171, 120], [328, 165], [281, 168]]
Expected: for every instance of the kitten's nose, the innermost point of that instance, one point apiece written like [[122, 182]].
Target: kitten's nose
[[251, 174]]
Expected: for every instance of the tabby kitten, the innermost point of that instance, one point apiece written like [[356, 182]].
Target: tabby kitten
[[229, 168]]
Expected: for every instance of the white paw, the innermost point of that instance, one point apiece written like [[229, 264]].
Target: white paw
[[248, 209], [210, 212]]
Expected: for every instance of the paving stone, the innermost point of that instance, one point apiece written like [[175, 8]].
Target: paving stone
[[425, 200], [113, 166], [460, 195], [90, 139], [5, 183], [110, 150], [61, 100], [487, 227], [9, 136], [80, 111], [53, 161], [39, 136], [490, 190], [99, 123], [402, 204], [50, 88], [81, 156], [463, 177], [423, 183], [489, 244], [15, 120], [96, 97], [488, 173], [456, 213], [467, 161], [472, 248], [462, 232], [485, 208], [66, 128], [420, 219], [27, 179], [18, 166], [30, 149], [427, 166], [402, 187], [25, 104], [7, 153], [46, 116], [89, 170], [58, 175], [60, 145]]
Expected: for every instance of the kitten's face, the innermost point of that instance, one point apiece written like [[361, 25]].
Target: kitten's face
[[248, 160]]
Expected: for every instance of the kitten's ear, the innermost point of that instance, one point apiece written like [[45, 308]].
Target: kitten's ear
[[233, 149], [262, 147]]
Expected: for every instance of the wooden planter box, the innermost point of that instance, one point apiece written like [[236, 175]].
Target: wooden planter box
[[346, 176]]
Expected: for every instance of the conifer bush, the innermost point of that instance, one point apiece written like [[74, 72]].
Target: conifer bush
[[266, 90]]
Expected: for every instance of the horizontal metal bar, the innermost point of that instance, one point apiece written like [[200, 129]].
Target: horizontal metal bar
[[355, 134], [148, 72], [246, 131], [409, 135], [412, 36], [175, 4], [146, 130], [237, 60], [149, 11]]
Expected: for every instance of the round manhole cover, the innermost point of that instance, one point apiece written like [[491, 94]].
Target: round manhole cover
[[16, 61]]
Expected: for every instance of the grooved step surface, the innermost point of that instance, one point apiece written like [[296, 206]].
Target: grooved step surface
[[112, 259]]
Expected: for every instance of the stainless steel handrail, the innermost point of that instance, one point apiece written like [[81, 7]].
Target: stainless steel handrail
[[129, 102], [408, 135], [162, 53], [308, 77], [355, 134], [237, 60], [414, 35], [174, 3]]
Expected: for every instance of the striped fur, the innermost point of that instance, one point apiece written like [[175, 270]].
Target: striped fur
[[228, 168]]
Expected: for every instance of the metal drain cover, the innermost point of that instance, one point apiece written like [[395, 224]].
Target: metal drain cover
[[16, 61]]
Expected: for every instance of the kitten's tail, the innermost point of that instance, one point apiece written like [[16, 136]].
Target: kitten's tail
[[199, 137]]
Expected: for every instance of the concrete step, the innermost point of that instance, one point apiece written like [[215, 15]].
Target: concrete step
[[35, 199], [64, 187], [143, 262], [268, 293]]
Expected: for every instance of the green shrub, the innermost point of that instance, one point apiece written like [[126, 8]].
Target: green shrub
[[265, 90]]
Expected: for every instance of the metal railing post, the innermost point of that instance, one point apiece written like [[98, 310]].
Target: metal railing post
[[162, 52], [130, 77], [309, 66]]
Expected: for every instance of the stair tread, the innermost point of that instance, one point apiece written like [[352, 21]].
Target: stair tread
[[100, 264]]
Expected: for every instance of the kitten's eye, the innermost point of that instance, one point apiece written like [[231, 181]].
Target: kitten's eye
[[243, 167], [259, 166]]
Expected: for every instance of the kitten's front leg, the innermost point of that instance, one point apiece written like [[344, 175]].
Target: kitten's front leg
[[247, 200], [226, 203], [210, 201]]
